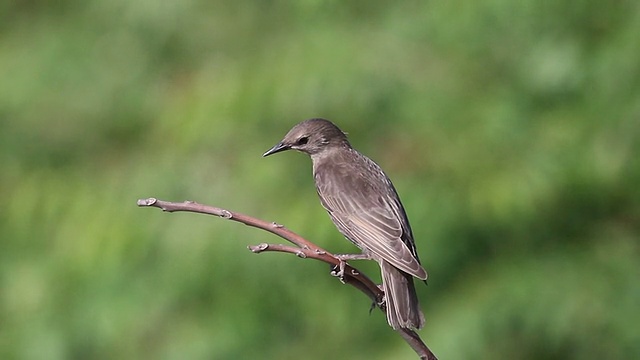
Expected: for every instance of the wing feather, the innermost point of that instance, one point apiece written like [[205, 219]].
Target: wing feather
[[369, 215]]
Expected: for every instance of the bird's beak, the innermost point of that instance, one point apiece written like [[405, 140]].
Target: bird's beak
[[277, 148]]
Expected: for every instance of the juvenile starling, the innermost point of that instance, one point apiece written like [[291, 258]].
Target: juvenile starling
[[365, 207]]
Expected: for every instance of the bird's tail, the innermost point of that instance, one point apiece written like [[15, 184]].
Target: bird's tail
[[403, 309]]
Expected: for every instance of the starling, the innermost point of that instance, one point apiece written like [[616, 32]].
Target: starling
[[366, 209]]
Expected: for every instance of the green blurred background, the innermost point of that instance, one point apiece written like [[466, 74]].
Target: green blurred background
[[511, 130]]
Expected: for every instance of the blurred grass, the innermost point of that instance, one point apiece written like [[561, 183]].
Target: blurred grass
[[510, 129]]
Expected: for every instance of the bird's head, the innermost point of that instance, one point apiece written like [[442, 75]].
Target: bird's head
[[312, 137]]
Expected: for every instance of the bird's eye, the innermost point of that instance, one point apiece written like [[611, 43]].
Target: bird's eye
[[303, 140]]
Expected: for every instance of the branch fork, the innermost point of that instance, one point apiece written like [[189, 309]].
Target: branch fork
[[303, 249]]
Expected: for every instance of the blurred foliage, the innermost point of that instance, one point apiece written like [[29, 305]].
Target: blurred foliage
[[511, 130]]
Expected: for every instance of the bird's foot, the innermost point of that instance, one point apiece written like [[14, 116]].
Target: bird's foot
[[338, 270], [380, 302], [374, 305]]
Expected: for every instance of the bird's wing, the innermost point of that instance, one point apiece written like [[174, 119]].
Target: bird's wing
[[369, 220]]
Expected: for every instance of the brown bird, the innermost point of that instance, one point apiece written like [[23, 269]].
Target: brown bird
[[365, 207]]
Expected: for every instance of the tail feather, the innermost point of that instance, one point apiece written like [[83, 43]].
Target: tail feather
[[403, 309]]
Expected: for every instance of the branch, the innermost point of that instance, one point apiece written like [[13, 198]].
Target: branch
[[304, 249]]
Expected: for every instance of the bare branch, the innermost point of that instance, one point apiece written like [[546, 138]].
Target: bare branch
[[303, 249]]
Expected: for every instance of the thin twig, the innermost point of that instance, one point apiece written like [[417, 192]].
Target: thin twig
[[304, 249]]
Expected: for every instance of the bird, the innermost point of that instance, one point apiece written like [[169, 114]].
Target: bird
[[365, 207]]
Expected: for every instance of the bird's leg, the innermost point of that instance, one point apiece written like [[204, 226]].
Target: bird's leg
[[345, 257]]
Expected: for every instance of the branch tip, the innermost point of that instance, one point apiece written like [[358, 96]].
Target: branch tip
[[146, 202], [258, 248]]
